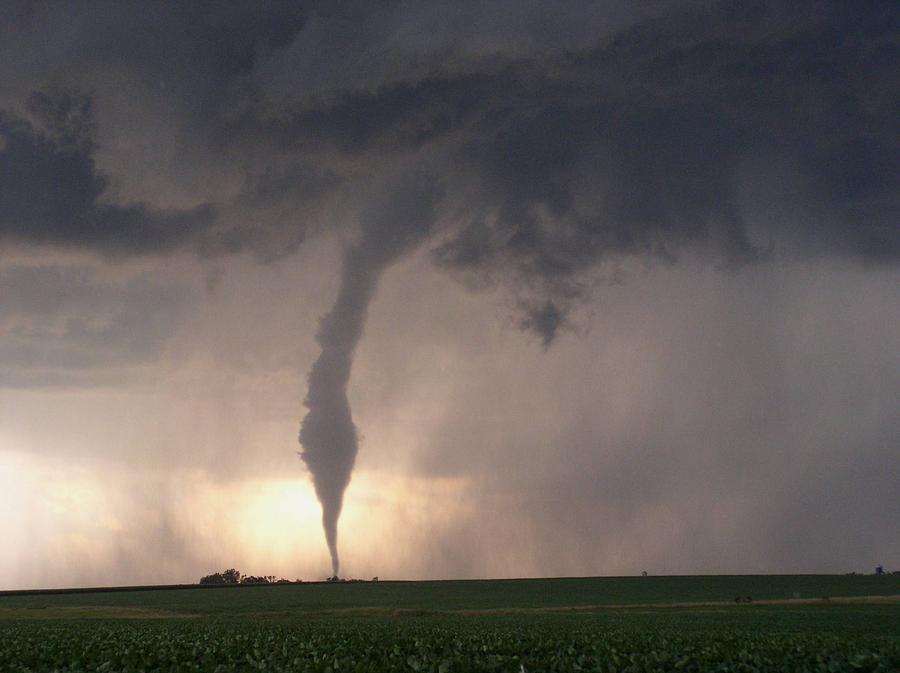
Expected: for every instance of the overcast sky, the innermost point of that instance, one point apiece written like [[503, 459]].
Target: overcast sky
[[619, 283]]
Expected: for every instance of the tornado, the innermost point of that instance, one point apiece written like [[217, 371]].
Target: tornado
[[327, 433]]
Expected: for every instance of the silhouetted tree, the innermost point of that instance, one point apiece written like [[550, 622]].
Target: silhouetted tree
[[258, 579], [230, 576]]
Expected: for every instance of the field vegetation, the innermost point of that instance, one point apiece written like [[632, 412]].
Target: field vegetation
[[603, 624]]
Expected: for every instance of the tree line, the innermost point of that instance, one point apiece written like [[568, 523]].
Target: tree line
[[232, 576]]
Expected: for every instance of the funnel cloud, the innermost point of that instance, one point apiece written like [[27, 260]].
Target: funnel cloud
[[327, 433]]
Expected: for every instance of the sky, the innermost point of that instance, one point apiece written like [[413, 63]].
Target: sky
[[545, 289]]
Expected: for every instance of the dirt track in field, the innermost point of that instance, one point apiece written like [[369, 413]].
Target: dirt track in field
[[421, 612], [88, 612], [119, 612], [844, 600]]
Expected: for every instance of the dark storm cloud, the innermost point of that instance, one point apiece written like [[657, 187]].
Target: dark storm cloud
[[558, 158], [51, 189], [197, 48], [641, 145], [196, 54]]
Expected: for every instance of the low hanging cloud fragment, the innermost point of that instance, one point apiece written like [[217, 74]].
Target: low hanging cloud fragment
[[544, 319]]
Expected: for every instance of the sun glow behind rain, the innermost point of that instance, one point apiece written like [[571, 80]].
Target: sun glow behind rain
[[88, 527]]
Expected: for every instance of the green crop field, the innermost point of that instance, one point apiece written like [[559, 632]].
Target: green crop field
[[794, 623]]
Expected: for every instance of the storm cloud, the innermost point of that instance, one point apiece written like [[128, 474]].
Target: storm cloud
[[51, 188], [644, 142], [655, 240], [68, 325]]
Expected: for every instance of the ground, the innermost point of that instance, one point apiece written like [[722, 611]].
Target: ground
[[792, 623]]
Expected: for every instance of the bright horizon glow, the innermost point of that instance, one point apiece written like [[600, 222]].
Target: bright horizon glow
[[62, 522]]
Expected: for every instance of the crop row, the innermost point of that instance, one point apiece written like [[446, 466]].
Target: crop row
[[423, 645]]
